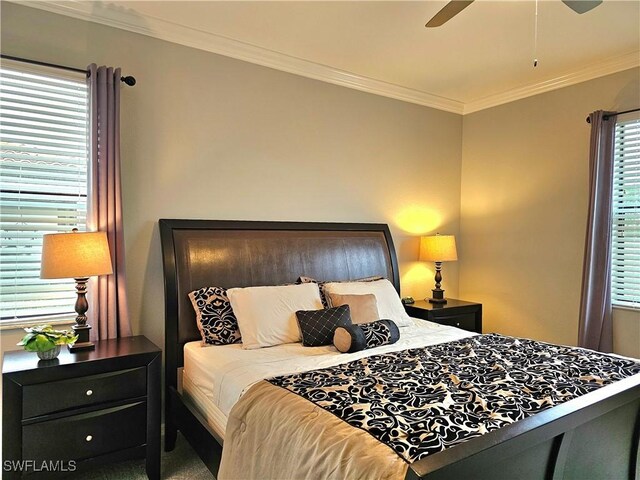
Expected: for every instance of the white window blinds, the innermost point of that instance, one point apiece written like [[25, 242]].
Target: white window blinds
[[43, 184], [626, 213]]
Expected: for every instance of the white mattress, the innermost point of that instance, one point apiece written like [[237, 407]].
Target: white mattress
[[217, 376], [215, 418]]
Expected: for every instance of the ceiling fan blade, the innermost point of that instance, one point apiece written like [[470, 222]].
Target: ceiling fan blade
[[449, 11], [582, 6]]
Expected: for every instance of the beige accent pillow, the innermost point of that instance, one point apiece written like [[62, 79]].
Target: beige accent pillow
[[364, 308]]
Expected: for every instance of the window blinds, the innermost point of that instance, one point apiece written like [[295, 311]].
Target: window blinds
[[43, 184], [625, 282]]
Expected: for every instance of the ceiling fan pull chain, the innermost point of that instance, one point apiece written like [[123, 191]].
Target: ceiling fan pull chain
[[535, 38]]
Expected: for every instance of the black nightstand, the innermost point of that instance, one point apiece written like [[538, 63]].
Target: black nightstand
[[84, 408], [455, 313]]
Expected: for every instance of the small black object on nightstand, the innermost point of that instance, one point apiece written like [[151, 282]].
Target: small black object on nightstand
[[455, 313], [90, 407]]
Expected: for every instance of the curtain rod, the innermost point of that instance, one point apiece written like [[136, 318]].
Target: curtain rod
[[606, 117], [129, 80]]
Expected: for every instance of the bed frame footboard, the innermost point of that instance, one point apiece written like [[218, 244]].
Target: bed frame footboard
[[594, 437]]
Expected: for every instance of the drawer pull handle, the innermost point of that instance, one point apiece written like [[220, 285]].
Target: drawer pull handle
[[89, 393], [457, 324], [89, 438]]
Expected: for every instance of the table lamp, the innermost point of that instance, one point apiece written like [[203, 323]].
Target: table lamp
[[77, 255], [438, 248]]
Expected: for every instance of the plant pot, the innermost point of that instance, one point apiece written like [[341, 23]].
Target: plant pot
[[50, 354]]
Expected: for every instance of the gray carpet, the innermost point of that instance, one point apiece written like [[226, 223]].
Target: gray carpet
[[182, 463]]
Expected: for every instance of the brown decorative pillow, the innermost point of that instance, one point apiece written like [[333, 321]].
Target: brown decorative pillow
[[364, 308]]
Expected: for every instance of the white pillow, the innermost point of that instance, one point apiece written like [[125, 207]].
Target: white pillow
[[389, 304], [267, 315]]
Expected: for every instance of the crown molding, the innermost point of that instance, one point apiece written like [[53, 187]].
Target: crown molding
[[600, 69], [106, 14], [113, 16]]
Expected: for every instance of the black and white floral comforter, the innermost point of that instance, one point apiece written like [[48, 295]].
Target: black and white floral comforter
[[423, 400]]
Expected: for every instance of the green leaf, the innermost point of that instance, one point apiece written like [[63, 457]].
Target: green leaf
[[31, 347], [43, 343], [68, 339], [26, 339]]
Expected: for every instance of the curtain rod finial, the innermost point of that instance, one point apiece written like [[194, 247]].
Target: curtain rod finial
[[131, 81]]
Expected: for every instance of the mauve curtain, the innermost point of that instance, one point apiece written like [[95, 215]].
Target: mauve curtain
[[109, 299], [595, 327]]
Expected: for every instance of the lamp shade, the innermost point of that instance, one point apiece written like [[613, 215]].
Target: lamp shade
[[438, 248], [75, 255]]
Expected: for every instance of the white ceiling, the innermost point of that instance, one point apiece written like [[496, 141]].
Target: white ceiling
[[482, 57]]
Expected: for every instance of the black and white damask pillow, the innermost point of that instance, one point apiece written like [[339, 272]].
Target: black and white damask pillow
[[216, 321], [353, 338], [317, 326]]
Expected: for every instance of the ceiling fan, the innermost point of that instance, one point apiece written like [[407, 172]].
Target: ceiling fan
[[453, 8]]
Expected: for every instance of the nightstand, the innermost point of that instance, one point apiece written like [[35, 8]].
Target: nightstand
[[455, 313], [84, 408]]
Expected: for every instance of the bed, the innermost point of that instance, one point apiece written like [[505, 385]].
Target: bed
[[594, 436]]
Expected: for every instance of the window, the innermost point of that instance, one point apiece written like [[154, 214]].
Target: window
[[626, 213], [43, 184]]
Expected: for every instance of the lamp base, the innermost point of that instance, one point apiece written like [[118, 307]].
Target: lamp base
[[438, 297], [83, 342]]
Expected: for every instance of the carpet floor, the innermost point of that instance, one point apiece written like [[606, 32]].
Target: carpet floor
[[182, 463]]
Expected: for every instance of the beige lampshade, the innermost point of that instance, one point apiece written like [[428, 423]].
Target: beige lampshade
[[75, 255], [438, 248]]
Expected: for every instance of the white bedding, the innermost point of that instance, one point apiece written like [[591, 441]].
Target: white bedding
[[223, 373]]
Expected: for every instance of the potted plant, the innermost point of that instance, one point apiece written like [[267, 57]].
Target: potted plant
[[46, 341]]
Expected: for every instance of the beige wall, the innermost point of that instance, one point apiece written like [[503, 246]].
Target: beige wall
[[524, 208], [205, 136]]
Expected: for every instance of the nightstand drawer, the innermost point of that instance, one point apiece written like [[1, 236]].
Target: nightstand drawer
[[466, 321], [85, 436], [40, 399]]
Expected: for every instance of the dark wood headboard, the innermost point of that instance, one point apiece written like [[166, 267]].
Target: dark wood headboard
[[201, 253]]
